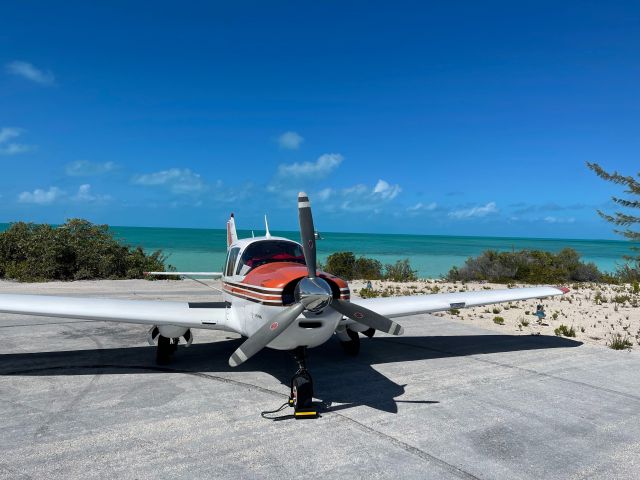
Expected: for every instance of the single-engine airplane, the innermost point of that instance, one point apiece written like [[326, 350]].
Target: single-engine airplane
[[274, 296]]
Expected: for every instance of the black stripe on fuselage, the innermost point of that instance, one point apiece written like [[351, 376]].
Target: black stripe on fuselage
[[209, 304], [244, 286], [272, 303]]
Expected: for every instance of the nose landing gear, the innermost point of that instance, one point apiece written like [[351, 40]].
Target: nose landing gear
[[301, 398]]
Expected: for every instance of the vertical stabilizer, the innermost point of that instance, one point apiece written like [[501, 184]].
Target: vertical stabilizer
[[232, 236], [266, 227]]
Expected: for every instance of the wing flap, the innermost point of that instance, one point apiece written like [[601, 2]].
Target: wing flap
[[415, 304], [127, 311]]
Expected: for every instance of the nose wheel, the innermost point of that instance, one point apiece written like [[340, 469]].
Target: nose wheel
[[301, 397]]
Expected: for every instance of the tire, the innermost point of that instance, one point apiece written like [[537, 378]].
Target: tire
[[351, 347], [302, 391]]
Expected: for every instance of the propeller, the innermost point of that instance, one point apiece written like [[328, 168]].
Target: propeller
[[307, 233], [265, 334], [312, 293]]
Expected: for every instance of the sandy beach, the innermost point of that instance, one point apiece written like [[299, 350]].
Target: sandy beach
[[597, 312]]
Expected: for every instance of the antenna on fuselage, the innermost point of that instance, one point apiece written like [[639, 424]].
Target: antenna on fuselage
[[266, 227], [252, 234]]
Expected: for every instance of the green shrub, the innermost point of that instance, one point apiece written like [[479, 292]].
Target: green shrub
[[401, 271], [454, 311], [341, 264], [621, 299], [77, 250], [526, 266], [367, 268], [368, 293], [618, 342], [498, 320], [564, 331]]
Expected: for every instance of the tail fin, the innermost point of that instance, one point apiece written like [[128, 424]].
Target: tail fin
[[232, 236]]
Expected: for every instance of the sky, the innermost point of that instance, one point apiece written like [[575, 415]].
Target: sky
[[448, 118]]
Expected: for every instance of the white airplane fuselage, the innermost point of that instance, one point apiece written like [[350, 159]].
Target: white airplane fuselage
[[257, 288]]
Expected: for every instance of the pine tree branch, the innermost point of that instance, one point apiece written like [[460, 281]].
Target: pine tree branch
[[615, 177], [626, 203]]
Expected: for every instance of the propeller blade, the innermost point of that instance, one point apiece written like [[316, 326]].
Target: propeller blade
[[265, 334], [307, 233], [366, 317]]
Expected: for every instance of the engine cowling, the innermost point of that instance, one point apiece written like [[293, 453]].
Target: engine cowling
[[169, 331]]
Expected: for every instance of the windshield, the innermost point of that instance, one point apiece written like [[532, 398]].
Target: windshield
[[268, 251]]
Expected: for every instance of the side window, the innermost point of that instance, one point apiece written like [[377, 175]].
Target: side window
[[231, 261]]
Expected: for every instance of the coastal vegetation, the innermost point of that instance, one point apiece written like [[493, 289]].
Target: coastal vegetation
[[630, 272], [527, 266], [347, 266], [77, 250], [564, 331]]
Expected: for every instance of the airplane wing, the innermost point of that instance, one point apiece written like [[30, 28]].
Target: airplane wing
[[209, 315], [186, 274], [438, 302]]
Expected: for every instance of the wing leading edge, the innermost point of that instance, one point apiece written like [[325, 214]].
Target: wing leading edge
[[210, 315], [415, 304]]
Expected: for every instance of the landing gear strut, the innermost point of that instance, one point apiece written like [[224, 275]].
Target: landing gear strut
[[301, 398], [165, 349]]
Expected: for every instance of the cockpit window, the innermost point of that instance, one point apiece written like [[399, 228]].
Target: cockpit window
[[268, 251], [231, 261]]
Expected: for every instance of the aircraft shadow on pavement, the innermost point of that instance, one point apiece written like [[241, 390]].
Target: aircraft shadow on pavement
[[340, 380]]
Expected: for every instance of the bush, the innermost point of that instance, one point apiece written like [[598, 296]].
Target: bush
[[77, 250], [498, 320], [618, 342], [526, 266], [347, 266], [341, 264], [368, 293], [400, 272], [367, 268], [564, 331]]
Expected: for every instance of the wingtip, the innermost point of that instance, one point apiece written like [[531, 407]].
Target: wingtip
[[302, 195], [232, 363], [563, 289]]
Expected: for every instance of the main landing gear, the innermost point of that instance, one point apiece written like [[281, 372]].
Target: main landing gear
[[165, 349], [301, 398], [350, 340]]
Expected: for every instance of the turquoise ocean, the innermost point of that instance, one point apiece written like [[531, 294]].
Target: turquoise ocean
[[432, 255], [190, 249]]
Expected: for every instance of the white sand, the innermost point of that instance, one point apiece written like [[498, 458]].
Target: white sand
[[595, 321]]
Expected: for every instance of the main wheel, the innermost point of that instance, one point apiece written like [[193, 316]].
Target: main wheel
[[164, 350], [351, 347]]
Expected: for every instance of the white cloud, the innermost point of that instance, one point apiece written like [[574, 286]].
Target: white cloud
[[559, 220], [85, 195], [177, 180], [290, 140], [324, 194], [386, 191], [7, 133], [7, 147], [419, 207], [361, 198], [84, 168], [322, 167], [30, 72], [41, 197], [475, 212]]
